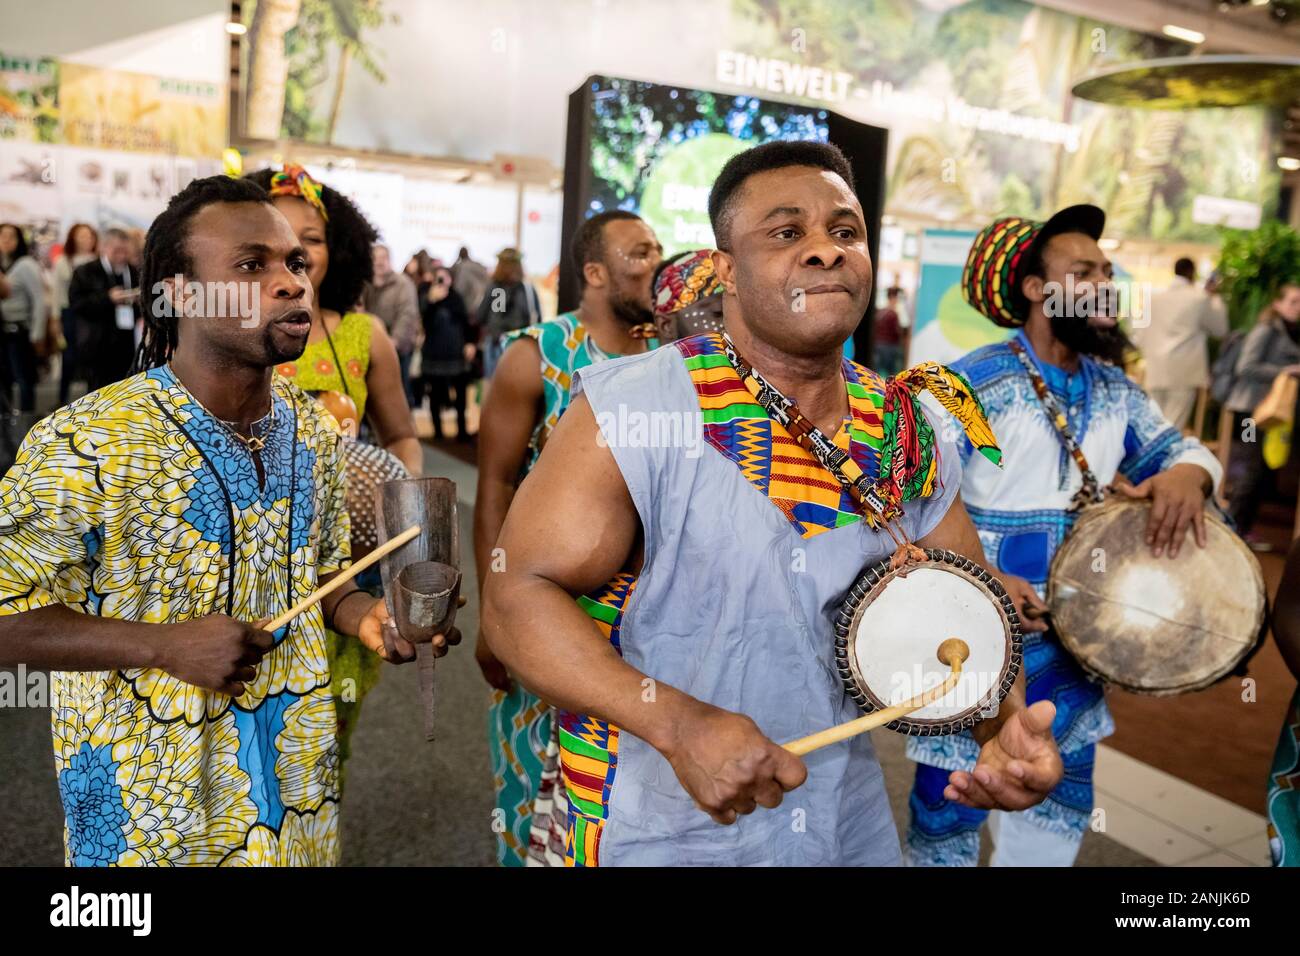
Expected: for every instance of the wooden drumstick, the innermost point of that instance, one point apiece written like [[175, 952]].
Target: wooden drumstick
[[343, 578], [951, 652]]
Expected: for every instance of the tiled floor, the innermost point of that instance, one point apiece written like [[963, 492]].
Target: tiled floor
[[1171, 821], [1149, 818]]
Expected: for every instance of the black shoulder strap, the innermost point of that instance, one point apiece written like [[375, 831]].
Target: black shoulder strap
[[338, 366]]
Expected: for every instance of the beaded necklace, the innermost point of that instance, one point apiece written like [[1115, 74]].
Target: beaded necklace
[[883, 505]]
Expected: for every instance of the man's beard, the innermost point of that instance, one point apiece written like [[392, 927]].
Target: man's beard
[[631, 311], [1078, 334]]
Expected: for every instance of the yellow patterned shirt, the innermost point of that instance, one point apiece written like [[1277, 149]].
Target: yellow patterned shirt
[[134, 503]]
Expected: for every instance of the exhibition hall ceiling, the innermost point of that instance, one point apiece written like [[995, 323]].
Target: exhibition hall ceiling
[[67, 27]]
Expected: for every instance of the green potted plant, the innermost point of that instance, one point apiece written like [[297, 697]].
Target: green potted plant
[[1252, 265]]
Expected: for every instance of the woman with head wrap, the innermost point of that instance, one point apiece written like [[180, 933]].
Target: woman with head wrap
[[348, 353]]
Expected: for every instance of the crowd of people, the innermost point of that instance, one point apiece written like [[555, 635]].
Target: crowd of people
[[152, 526], [82, 310]]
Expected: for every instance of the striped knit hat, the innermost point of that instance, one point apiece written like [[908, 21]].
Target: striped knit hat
[[991, 280]]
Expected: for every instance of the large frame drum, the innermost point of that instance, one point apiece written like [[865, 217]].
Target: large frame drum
[[1154, 626]]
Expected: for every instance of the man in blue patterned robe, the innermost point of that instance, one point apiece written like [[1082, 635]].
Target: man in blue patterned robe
[[1015, 275]]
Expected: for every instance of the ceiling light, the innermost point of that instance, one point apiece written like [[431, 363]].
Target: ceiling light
[[236, 29], [1289, 163], [1182, 33]]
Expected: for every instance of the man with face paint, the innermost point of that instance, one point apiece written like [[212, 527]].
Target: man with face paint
[[708, 568], [1052, 283], [615, 254], [147, 531]]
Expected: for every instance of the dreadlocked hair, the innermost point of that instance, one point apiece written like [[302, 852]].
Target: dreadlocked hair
[[348, 237], [166, 254]]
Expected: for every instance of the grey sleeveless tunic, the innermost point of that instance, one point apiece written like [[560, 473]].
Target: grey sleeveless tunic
[[735, 608]]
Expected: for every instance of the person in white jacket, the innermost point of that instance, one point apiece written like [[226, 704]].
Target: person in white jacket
[[1173, 343]]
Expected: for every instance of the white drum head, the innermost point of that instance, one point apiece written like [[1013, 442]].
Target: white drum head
[[897, 624]]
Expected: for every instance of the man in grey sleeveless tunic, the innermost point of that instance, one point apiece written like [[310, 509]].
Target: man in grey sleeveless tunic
[[725, 643]]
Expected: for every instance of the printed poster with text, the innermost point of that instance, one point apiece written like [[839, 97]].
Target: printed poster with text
[[132, 112]]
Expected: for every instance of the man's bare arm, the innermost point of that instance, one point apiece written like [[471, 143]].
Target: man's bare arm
[[510, 413], [571, 528], [59, 638], [214, 652]]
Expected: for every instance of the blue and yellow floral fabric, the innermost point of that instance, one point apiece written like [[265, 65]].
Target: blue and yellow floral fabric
[[134, 503]]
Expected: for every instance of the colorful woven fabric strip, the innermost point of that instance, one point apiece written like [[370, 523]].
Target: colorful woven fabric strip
[[765, 452], [909, 439], [589, 747], [887, 452]]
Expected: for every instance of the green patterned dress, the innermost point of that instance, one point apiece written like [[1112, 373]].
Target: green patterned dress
[[1284, 791], [354, 670], [519, 724]]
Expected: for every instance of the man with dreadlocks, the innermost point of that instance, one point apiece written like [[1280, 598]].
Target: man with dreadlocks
[[145, 527], [1074, 425]]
